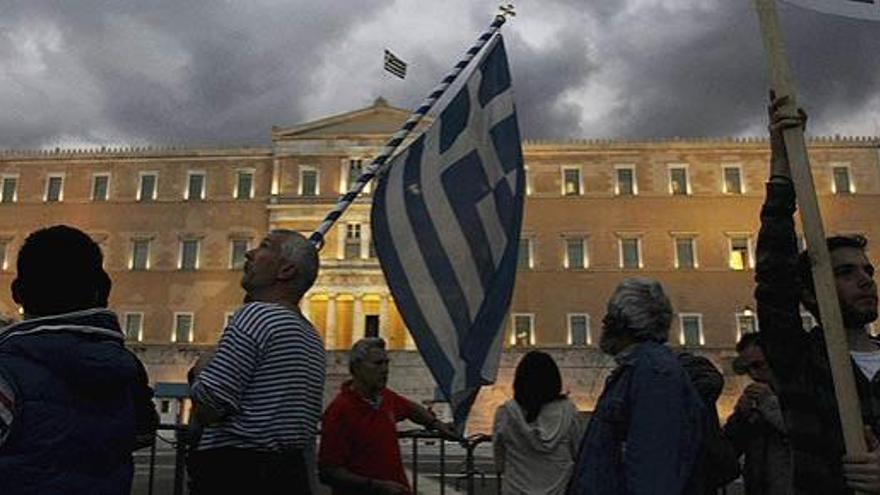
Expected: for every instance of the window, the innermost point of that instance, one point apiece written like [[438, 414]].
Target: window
[[691, 329], [571, 181], [625, 183], [841, 183], [746, 322], [195, 186], [579, 329], [732, 180], [189, 254], [244, 184], [9, 192], [630, 253], [164, 406], [575, 253], [147, 186], [100, 187], [308, 181], [353, 241], [4, 261], [685, 253], [140, 254], [678, 180], [740, 253], [134, 326], [525, 259], [352, 169], [238, 250], [54, 188], [523, 330], [183, 328]]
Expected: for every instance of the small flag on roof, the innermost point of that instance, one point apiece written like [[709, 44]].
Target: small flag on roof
[[395, 65]]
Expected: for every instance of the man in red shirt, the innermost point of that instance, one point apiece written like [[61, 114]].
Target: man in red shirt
[[359, 452]]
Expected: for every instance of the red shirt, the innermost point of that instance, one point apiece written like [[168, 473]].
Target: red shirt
[[363, 439]]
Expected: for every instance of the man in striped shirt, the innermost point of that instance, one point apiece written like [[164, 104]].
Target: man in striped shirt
[[259, 397]]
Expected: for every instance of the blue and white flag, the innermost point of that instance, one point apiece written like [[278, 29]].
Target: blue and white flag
[[858, 9], [446, 222]]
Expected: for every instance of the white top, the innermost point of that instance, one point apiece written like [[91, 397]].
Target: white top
[[868, 362], [536, 458]]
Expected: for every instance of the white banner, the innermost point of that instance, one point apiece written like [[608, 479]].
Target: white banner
[[858, 9]]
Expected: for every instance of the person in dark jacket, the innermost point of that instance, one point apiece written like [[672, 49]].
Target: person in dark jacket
[[74, 402], [799, 359], [646, 432]]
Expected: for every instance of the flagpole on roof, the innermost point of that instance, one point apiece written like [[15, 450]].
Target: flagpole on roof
[[317, 237]]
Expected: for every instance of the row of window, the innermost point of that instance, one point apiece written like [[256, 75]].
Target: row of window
[[679, 183], [522, 327], [309, 183], [188, 256], [690, 330], [182, 332], [147, 190], [576, 253]]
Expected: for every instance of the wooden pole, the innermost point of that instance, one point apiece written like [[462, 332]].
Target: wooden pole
[[826, 291]]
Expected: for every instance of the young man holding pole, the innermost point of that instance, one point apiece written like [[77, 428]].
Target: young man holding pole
[[799, 359]]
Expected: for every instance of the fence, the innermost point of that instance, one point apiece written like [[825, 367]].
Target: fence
[[457, 462]]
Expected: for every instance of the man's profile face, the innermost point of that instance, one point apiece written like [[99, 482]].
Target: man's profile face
[[856, 288], [372, 371], [262, 263]]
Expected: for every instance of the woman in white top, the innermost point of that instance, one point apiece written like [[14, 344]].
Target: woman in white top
[[536, 435]]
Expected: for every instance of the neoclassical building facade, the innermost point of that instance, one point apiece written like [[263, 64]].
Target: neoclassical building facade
[[174, 225]]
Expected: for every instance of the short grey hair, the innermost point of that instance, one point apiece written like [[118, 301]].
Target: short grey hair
[[299, 251], [640, 307], [360, 349]]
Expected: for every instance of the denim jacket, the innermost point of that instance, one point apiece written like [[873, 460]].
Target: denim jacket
[[645, 434]]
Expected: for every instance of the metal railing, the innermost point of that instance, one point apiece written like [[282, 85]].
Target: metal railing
[[454, 469]]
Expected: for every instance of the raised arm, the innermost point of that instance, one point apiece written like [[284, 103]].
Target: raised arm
[[777, 292]]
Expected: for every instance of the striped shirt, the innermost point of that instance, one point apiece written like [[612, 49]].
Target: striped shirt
[[267, 380], [7, 409]]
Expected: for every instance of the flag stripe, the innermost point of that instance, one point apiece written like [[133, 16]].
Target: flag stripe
[[430, 245]]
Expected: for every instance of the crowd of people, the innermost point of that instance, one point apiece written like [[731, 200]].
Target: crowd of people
[[75, 403]]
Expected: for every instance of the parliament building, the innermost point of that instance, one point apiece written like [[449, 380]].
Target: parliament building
[[174, 225]]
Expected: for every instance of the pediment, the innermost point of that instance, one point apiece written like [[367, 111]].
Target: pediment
[[379, 119]]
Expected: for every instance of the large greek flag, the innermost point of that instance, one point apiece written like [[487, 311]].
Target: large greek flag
[[446, 221]]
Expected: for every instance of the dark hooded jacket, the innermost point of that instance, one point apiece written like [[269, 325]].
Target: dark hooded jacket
[[82, 399]]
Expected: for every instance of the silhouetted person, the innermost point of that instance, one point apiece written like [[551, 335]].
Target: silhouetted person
[[74, 402], [799, 359], [536, 435], [756, 428], [646, 433]]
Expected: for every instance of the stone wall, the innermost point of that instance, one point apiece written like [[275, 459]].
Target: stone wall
[[583, 373]]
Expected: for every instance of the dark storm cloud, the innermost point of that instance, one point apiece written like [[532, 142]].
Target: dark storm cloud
[[213, 72]]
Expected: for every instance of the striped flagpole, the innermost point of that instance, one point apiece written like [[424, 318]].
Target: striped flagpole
[[317, 237]]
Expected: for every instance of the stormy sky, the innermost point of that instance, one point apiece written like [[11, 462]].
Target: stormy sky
[[137, 72]]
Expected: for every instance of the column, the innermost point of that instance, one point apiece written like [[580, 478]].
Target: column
[[276, 178], [305, 306], [383, 317], [340, 240], [331, 322], [358, 315], [366, 237]]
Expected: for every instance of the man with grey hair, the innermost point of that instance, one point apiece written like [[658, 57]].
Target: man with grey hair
[[359, 450], [645, 433], [259, 397]]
